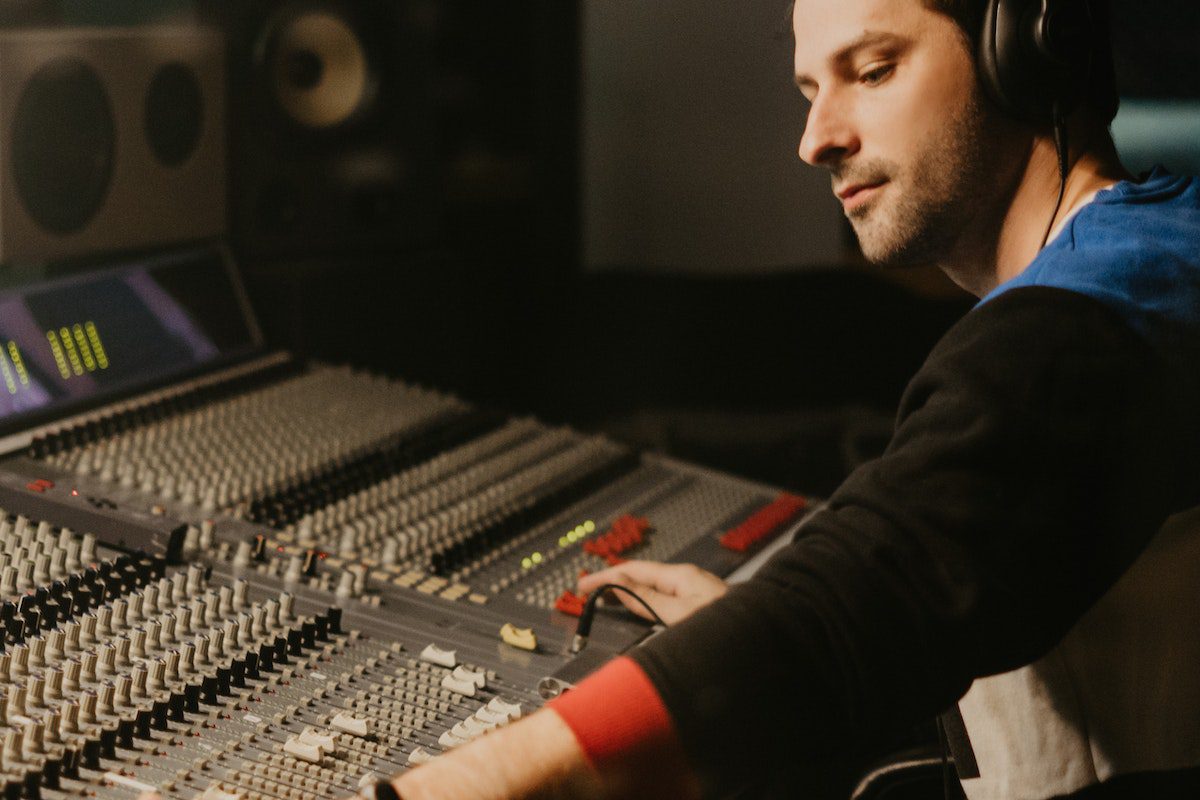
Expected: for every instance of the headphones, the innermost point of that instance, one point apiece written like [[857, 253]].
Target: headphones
[[1035, 56]]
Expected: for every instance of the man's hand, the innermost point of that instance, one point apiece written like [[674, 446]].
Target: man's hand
[[537, 758], [674, 591]]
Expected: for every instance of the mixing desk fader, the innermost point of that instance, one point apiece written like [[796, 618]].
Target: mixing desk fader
[[122, 674], [229, 574]]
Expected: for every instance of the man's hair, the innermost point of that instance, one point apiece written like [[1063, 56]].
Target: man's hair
[[1101, 95]]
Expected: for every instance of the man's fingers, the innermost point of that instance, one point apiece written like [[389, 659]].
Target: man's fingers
[[674, 591], [676, 579], [662, 577], [661, 603]]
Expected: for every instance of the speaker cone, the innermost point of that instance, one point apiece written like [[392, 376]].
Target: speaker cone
[[64, 143], [317, 68]]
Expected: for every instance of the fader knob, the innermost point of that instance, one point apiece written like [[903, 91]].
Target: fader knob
[[295, 570], [126, 728], [240, 587], [206, 535], [176, 707], [286, 602]]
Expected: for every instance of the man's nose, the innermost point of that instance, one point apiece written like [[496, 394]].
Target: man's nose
[[829, 135]]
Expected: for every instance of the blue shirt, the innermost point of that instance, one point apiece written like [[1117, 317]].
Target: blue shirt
[[1136, 249]]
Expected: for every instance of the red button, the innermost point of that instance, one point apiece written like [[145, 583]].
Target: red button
[[570, 603], [764, 523]]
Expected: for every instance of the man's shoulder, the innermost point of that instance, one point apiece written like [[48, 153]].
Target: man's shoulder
[[1133, 250]]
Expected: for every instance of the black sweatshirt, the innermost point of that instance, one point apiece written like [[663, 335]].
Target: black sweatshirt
[[1036, 452]]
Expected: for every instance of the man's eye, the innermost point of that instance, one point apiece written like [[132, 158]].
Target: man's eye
[[876, 76]]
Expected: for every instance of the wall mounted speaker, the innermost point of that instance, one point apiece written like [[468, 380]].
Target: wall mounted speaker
[[332, 145], [113, 139]]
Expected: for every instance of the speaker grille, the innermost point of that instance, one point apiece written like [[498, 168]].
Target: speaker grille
[[64, 144]]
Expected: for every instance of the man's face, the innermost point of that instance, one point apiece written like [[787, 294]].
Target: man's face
[[915, 153]]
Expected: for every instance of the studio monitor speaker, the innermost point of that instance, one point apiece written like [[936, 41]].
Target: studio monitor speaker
[[332, 150], [112, 139]]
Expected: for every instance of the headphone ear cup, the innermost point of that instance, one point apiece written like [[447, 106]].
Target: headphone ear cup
[[1034, 56]]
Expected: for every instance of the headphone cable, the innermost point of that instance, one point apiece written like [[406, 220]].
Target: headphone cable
[[584, 628], [1060, 145]]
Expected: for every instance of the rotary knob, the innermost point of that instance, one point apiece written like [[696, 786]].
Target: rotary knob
[[54, 685], [172, 628], [89, 628], [87, 708], [124, 691], [56, 645], [122, 654], [19, 663], [156, 681], [150, 600], [195, 579], [37, 652], [106, 699], [72, 671], [88, 666], [35, 693], [107, 661], [171, 667], [137, 643], [15, 702], [104, 621], [187, 659]]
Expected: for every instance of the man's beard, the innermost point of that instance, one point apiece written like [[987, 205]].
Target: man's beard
[[926, 204]]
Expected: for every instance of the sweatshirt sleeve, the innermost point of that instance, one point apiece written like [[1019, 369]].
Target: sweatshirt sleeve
[[1036, 452]]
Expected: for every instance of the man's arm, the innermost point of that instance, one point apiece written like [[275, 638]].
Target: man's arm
[[1036, 452]]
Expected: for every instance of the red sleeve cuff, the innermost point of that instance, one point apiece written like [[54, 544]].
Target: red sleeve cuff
[[624, 729]]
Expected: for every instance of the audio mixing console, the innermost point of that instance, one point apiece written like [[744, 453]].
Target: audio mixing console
[[264, 578]]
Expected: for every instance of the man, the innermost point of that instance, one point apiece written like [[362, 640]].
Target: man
[[1008, 540]]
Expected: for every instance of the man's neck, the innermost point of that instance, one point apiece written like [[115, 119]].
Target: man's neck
[[1023, 228]]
